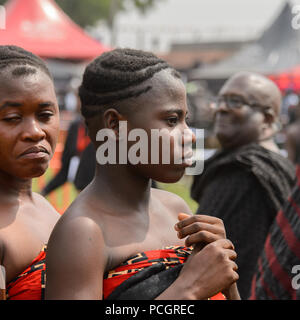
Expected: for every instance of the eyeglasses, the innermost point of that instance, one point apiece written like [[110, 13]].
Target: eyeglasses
[[237, 102]]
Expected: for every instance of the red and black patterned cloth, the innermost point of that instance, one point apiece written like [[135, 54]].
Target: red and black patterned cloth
[[146, 275], [30, 284], [141, 277]]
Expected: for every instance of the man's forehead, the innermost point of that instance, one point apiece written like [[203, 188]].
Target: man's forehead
[[251, 84], [254, 88]]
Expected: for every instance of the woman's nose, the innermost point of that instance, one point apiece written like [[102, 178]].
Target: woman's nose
[[32, 130], [188, 136]]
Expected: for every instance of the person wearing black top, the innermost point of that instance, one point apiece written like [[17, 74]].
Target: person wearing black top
[[247, 181]]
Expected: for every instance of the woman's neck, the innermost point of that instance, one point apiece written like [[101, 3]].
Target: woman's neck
[[122, 189], [12, 187]]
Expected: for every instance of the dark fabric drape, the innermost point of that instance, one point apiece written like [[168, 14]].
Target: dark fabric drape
[[244, 187], [278, 268]]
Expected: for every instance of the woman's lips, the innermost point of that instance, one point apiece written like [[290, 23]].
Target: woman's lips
[[36, 152], [34, 155], [188, 159]]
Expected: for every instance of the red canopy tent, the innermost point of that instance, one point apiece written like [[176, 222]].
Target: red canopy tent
[[41, 27], [289, 79]]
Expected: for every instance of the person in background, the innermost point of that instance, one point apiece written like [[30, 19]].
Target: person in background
[[247, 181], [292, 143], [290, 101]]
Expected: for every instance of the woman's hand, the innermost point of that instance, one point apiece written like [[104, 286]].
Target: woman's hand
[[199, 230], [209, 271]]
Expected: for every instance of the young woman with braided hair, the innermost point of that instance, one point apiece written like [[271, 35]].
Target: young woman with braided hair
[[29, 124], [121, 239]]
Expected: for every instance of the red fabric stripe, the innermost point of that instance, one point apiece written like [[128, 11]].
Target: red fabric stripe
[[295, 205], [263, 284], [288, 233], [253, 288], [278, 272]]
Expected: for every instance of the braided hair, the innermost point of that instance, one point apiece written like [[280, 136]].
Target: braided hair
[[117, 75], [21, 62]]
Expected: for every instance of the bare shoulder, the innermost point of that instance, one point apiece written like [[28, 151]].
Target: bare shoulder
[[77, 236], [77, 222], [171, 201], [76, 257], [45, 207], [77, 226]]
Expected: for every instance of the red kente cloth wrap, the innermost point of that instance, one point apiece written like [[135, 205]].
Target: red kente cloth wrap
[[30, 284], [170, 256]]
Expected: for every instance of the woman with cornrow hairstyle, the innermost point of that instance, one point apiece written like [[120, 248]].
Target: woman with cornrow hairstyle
[[29, 124], [120, 238]]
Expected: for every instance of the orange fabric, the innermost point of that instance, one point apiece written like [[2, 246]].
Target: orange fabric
[[170, 256], [83, 140], [30, 284], [219, 296]]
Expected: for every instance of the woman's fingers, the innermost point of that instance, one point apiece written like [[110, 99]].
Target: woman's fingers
[[182, 216], [232, 255], [199, 230], [186, 220], [204, 237], [198, 227]]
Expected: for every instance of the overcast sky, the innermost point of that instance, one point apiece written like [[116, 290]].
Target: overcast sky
[[208, 12], [196, 20]]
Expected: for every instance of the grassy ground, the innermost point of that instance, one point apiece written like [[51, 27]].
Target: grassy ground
[[60, 198]]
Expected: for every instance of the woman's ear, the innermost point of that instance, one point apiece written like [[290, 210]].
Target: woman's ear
[[111, 119], [269, 117]]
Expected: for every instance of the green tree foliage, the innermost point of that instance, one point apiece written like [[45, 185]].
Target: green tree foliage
[[87, 12]]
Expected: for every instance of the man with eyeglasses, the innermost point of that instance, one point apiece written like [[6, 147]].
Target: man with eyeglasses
[[247, 180]]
